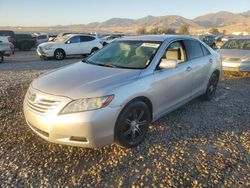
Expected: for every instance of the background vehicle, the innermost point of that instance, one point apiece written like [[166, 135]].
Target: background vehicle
[[41, 38], [71, 44], [6, 49], [8, 33], [210, 40], [24, 41], [235, 54], [52, 37], [114, 94], [108, 39]]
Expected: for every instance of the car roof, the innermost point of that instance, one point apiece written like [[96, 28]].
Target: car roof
[[155, 38], [79, 34]]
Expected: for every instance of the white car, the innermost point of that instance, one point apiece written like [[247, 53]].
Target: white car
[[72, 44], [42, 37], [5, 39]]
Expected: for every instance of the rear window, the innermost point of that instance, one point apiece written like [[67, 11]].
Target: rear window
[[42, 37], [87, 38], [194, 49], [23, 35]]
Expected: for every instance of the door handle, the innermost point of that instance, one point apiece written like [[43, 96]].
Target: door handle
[[188, 69], [210, 60]]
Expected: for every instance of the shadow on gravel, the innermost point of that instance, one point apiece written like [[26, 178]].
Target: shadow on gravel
[[201, 144]]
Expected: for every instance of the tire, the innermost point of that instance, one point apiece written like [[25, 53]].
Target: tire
[[94, 50], [59, 54], [1, 58], [214, 46], [25, 47], [211, 87], [132, 124]]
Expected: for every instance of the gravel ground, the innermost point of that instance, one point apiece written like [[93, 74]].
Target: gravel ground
[[202, 144]]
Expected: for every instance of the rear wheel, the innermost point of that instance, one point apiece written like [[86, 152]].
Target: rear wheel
[[94, 50], [59, 54], [132, 124], [212, 86]]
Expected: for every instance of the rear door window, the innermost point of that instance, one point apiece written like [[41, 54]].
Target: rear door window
[[87, 38], [194, 49]]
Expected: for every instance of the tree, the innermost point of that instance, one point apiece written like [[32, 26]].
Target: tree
[[214, 31], [168, 31], [141, 30], [154, 30], [184, 29]]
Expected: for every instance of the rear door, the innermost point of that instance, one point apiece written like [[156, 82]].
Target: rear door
[[72, 46], [200, 63], [87, 44], [173, 87]]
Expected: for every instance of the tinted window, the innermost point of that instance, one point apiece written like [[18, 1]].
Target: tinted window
[[23, 35], [205, 50], [75, 39], [87, 38], [42, 37], [194, 49]]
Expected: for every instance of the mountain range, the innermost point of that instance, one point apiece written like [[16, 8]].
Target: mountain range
[[231, 22]]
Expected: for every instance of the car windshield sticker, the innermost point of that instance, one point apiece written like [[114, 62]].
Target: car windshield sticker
[[150, 45]]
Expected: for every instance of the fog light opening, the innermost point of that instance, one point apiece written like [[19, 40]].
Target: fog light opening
[[78, 139]]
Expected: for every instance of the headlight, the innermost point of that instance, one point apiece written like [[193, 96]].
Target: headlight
[[82, 105], [48, 47]]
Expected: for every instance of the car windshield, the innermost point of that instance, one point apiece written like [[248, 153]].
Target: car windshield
[[125, 54], [241, 44], [63, 38]]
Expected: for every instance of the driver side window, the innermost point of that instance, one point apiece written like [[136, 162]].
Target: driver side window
[[175, 51], [75, 39]]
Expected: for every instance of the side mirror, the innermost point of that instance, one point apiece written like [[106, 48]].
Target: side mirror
[[67, 42], [168, 64]]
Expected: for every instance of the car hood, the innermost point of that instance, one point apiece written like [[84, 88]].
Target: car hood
[[48, 43], [234, 53], [81, 80]]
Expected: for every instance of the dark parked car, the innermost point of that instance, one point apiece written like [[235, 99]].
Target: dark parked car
[[24, 41]]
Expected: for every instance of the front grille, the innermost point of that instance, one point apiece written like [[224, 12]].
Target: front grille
[[40, 105]]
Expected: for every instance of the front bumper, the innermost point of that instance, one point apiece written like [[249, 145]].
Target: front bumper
[[236, 66], [44, 53], [94, 128]]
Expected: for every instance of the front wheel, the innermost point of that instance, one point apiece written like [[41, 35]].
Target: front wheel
[[59, 54], [212, 86], [132, 124]]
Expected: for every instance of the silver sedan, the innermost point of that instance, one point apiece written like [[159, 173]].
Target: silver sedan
[[114, 94], [235, 54]]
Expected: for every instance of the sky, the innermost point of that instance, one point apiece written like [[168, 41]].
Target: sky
[[67, 12]]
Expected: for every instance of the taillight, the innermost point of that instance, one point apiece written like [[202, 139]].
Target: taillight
[[9, 39]]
